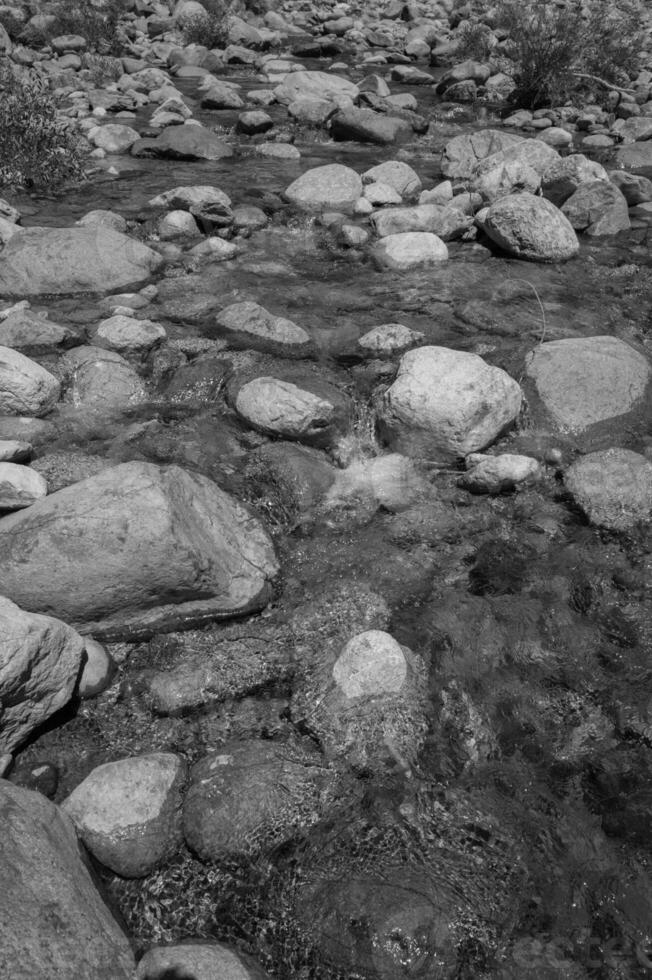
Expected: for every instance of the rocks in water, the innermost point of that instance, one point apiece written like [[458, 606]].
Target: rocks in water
[[518, 167], [98, 670], [583, 384], [315, 85], [127, 335], [634, 156], [14, 451], [389, 339], [613, 487], [201, 961], [497, 474], [187, 142], [284, 409], [161, 547], [396, 174], [25, 387], [391, 483], [114, 138], [462, 154], [53, 921], [636, 189], [409, 250], [368, 126], [249, 796], [331, 187], [364, 701], [220, 95], [531, 228], [447, 403], [128, 813], [597, 208], [39, 261], [40, 658], [102, 381], [445, 222], [20, 486], [260, 329], [195, 196], [568, 174], [32, 335]]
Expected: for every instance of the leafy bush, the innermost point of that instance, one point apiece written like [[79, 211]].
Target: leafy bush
[[36, 147], [210, 29], [98, 23], [558, 52], [474, 40]]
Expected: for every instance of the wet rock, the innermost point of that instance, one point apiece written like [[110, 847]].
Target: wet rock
[[582, 383], [497, 474], [263, 330], [202, 961], [636, 189], [98, 670], [186, 551], [634, 129], [128, 813], [114, 138], [14, 451], [391, 483], [287, 480], [195, 196], [389, 339], [58, 261], [127, 335], [220, 95], [396, 174], [54, 922], [250, 796], [461, 154], [40, 658], [284, 409], [20, 486], [447, 403], [32, 335], [613, 487], [331, 187], [315, 85], [446, 222], [409, 250], [379, 195], [568, 174], [255, 121], [187, 142], [312, 112], [102, 380], [25, 387], [597, 208], [101, 216], [531, 228], [177, 224], [634, 156], [368, 126]]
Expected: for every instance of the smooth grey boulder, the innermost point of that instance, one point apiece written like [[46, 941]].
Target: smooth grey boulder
[[315, 85], [446, 403], [331, 187], [282, 408], [397, 174], [25, 387], [519, 166], [20, 486], [31, 334], [128, 813], [40, 659], [567, 174], [462, 154], [187, 142], [53, 922], [531, 228], [597, 208], [613, 487], [409, 250], [262, 329], [445, 222], [137, 549], [368, 126], [101, 380], [59, 261]]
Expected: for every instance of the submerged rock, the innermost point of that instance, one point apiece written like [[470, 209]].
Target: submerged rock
[[613, 487], [134, 550]]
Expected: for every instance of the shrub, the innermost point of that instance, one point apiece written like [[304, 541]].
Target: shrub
[[37, 149], [210, 29], [559, 52], [98, 23], [474, 41]]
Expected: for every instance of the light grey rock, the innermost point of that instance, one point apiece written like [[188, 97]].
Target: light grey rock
[[102, 380], [114, 138], [447, 222], [127, 335], [203, 961], [25, 387], [613, 487], [531, 228], [569, 173], [497, 474], [255, 321], [331, 187], [597, 208], [409, 250], [396, 174], [315, 85], [462, 154], [20, 486], [195, 196], [284, 409], [388, 339], [31, 334]]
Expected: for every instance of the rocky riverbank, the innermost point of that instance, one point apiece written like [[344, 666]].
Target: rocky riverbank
[[326, 489]]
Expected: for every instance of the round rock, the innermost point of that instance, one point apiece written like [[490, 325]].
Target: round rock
[[20, 486], [127, 335], [532, 228], [283, 409], [331, 187], [409, 250], [613, 487], [370, 663]]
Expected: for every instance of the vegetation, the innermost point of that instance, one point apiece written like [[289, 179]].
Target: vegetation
[[37, 150], [210, 29], [558, 52], [98, 23], [475, 40]]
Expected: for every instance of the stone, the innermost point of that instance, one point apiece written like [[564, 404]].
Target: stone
[[315, 85], [161, 547], [389, 339], [100, 216], [127, 335], [54, 922], [396, 174], [556, 136], [40, 658], [390, 482], [254, 121], [60, 261], [636, 189], [634, 156], [220, 95], [102, 380], [409, 250], [194, 196], [25, 387], [613, 487], [20, 486], [312, 112], [14, 451], [497, 474], [597, 208], [32, 335], [331, 187], [380, 195], [566, 175], [98, 669], [202, 961], [582, 382], [447, 403], [444, 221], [186, 142], [367, 126], [114, 138], [258, 324], [128, 813], [634, 129], [531, 228], [284, 409], [461, 154], [516, 167], [177, 224]]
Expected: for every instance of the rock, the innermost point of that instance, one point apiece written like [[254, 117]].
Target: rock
[[177, 224], [40, 658], [634, 129], [128, 813], [20, 486], [215, 249], [186, 198], [32, 335], [248, 217], [220, 95], [444, 221], [461, 154], [114, 138], [255, 121], [25, 387], [467, 70], [127, 335], [262, 329], [390, 483], [613, 487], [312, 112], [202, 961], [59, 261], [389, 339], [447, 403], [531, 228], [185, 550], [291, 479], [14, 451], [583, 382], [284, 409], [636, 189], [497, 474], [409, 250], [597, 208], [379, 195], [98, 670], [368, 126], [54, 923], [187, 142], [564, 177], [396, 174], [331, 187], [249, 796], [634, 156], [100, 216], [102, 380], [518, 167], [315, 85]]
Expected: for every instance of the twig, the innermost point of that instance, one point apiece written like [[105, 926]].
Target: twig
[[543, 312], [601, 81]]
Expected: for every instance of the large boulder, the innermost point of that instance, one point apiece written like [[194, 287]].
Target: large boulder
[[281, 408], [446, 403], [521, 165], [368, 126], [462, 154], [445, 222], [40, 659], [187, 142], [396, 174], [128, 813], [134, 550], [409, 250], [331, 187], [581, 386], [53, 922], [567, 174], [532, 228], [315, 85], [613, 487], [596, 208], [40, 261], [26, 388]]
